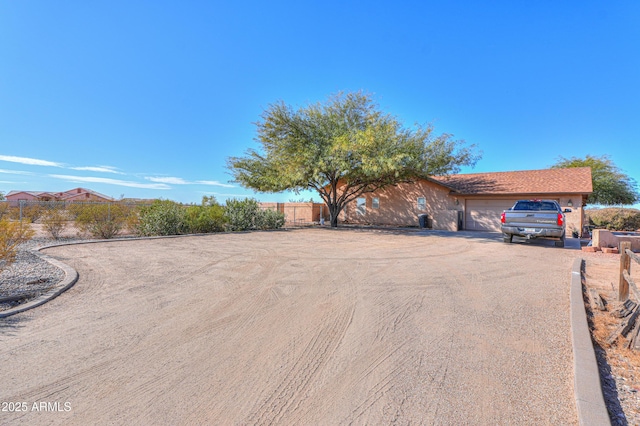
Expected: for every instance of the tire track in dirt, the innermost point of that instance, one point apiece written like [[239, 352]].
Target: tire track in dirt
[[284, 402], [274, 300], [392, 367], [388, 358], [395, 390], [56, 388], [285, 399], [390, 320]]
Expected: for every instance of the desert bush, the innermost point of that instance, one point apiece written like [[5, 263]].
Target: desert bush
[[163, 217], [615, 219], [30, 212], [4, 209], [209, 217], [244, 215], [100, 220], [241, 214], [270, 219], [133, 219], [12, 234], [55, 221]]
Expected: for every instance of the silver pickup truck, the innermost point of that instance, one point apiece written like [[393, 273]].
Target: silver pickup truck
[[534, 219]]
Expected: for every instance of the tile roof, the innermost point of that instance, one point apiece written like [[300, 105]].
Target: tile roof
[[80, 191], [551, 181], [34, 193], [61, 196]]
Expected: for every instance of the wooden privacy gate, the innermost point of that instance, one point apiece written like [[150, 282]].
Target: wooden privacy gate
[[629, 311]]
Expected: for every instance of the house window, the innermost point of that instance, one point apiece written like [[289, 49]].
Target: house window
[[422, 203], [361, 206], [375, 203]]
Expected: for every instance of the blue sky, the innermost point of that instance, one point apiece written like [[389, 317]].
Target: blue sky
[[148, 99]]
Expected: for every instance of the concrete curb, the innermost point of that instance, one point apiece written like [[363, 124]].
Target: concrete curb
[[70, 278], [586, 377]]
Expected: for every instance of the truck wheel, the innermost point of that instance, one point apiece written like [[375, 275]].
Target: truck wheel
[[560, 243], [507, 238]]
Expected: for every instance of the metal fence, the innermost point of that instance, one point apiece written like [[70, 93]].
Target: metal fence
[[39, 211], [295, 214], [33, 211]]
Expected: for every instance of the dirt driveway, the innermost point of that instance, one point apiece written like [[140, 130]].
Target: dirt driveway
[[312, 326]]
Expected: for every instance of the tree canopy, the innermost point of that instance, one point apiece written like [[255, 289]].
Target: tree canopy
[[610, 185], [343, 148]]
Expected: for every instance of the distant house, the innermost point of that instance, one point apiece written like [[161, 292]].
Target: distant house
[[72, 195], [472, 201]]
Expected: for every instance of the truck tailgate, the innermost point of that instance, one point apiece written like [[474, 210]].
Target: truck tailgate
[[531, 219]]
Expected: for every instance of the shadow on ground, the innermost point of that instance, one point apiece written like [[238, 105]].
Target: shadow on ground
[[480, 236], [10, 325]]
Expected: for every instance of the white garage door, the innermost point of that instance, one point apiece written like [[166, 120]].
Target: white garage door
[[484, 215]]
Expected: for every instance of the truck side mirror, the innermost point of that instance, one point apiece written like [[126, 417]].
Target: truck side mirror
[[567, 210]]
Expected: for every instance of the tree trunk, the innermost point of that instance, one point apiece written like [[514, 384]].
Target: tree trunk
[[334, 211]]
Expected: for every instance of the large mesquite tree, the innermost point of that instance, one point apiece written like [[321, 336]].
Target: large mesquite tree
[[342, 149], [610, 185]]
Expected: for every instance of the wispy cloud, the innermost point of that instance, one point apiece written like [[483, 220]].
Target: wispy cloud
[[111, 181], [15, 172], [180, 181], [100, 169], [29, 161], [215, 183], [155, 182], [47, 163], [168, 179]]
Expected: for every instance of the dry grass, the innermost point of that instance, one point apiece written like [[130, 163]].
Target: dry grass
[[603, 325], [12, 234]]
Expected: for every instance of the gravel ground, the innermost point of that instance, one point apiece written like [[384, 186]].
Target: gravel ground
[[28, 276], [620, 393]]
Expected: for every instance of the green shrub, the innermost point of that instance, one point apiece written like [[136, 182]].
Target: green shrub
[[163, 217], [270, 219], [100, 220], [615, 219], [244, 215], [12, 234], [241, 214], [206, 218]]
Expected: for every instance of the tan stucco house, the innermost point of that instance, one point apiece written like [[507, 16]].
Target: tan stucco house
[[72, 195], [472, 201]]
